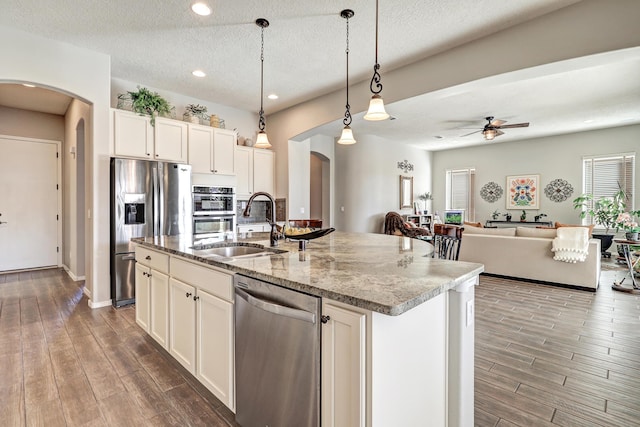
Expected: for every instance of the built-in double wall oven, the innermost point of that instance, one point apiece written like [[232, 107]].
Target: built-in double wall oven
[[214, 213]]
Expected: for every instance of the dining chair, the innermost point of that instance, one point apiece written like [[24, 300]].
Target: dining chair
[[446, 241]]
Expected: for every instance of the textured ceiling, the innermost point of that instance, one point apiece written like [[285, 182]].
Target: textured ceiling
[[158, 43]]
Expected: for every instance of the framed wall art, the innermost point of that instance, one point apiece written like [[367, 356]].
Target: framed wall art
[[522, 192]]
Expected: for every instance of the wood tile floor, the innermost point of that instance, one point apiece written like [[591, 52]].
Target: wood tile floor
[[545, 356]]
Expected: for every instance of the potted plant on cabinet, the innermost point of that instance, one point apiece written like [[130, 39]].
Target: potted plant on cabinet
[[194, 113], [604, 212], [425, 197], [143, 101]]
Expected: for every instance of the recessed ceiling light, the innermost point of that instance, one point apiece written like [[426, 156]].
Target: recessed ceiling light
[[28, 85], [588, 121], [198, 73], [201, 9], [273, 96]]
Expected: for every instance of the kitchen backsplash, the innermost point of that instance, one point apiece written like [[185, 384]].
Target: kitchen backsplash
[[260, 211]]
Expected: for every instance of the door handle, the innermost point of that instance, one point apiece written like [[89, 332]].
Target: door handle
[[4, 222], [148, 257], [188, 294], [277, 309]]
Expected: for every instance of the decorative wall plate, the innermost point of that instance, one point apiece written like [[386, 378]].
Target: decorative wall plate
[[491, 192], [558, 190]]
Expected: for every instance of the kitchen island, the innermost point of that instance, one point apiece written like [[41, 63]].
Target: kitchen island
[[398, 349]]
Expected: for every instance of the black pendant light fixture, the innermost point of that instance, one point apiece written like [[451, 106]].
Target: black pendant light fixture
[[347, 134], [262, 141], [376, 105]]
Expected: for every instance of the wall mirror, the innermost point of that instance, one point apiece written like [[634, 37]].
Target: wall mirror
[[406, 192]]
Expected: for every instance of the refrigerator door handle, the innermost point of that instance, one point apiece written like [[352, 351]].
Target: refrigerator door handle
[[129, 257], [156, 201]]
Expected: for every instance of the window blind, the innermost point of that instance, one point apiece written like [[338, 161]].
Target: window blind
[[460, 191], [604, 175]]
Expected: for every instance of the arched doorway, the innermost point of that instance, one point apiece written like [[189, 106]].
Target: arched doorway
[[320, 188]]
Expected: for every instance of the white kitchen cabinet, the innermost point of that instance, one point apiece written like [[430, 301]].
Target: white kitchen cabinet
[[210, 325], [244, 171], [159, 308], [255, 171], [143, 300], [182, 323], [254, 228], [152, 293], [343, 366], [132, 135], [215, 346], [211, 150], [170, 140], [264, 165], [224, 144]]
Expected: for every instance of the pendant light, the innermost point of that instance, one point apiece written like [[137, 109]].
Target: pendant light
[[262, 141], [376, 106], [347, 134]]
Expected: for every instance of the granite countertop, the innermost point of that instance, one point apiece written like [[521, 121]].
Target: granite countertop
[[377, 272]]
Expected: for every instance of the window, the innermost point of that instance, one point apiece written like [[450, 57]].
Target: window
[[460, 188], [604, 175]]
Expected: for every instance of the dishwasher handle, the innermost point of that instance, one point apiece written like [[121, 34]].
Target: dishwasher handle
[[277, 309]]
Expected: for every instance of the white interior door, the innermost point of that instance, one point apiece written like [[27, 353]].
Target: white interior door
[[29, 203]]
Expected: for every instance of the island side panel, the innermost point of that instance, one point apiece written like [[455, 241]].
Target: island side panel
[[461, 353], [409, 366]]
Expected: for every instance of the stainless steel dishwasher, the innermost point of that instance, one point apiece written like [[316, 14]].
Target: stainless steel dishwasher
[[277, 355]]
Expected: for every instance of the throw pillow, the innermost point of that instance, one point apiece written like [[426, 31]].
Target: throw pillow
[[546, 233], [590, 227], [490, 231]]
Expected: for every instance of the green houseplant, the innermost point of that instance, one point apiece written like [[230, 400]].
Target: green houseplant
[[425, 197], [143, 101], [604, 212]]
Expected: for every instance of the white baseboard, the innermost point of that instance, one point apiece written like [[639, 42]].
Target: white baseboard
[[99, 304], [72, 275]]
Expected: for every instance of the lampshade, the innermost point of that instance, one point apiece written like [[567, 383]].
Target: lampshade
[[347, 137], [262, 141], [376, 109], [489, 134]]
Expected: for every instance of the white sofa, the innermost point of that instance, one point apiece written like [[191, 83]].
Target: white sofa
[[510, 252]]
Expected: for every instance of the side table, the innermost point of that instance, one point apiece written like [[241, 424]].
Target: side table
[[632, 260]]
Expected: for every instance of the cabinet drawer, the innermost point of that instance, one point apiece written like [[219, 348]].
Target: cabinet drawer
[[156, 260], [255, 228], [215, 282]]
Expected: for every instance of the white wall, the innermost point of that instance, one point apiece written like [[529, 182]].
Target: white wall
[[552, 158], [30, 124], [74, 187], [83, 74], [298, 203], [368, 181]]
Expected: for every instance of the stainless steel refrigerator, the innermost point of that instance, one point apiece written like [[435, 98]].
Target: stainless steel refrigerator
[[147, 199]]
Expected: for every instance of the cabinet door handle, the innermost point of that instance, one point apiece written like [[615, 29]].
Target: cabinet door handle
[[325, 319], [196, 298], [189, 294], [148, 257]]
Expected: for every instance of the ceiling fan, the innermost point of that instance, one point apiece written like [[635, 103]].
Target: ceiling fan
[[493, 126]]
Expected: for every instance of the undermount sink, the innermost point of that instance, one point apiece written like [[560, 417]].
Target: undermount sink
[[234, 251]]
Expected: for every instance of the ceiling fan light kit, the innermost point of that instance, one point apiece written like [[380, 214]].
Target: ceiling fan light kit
[[492, 129], [376, 109], [347, 134], [262, 141]]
